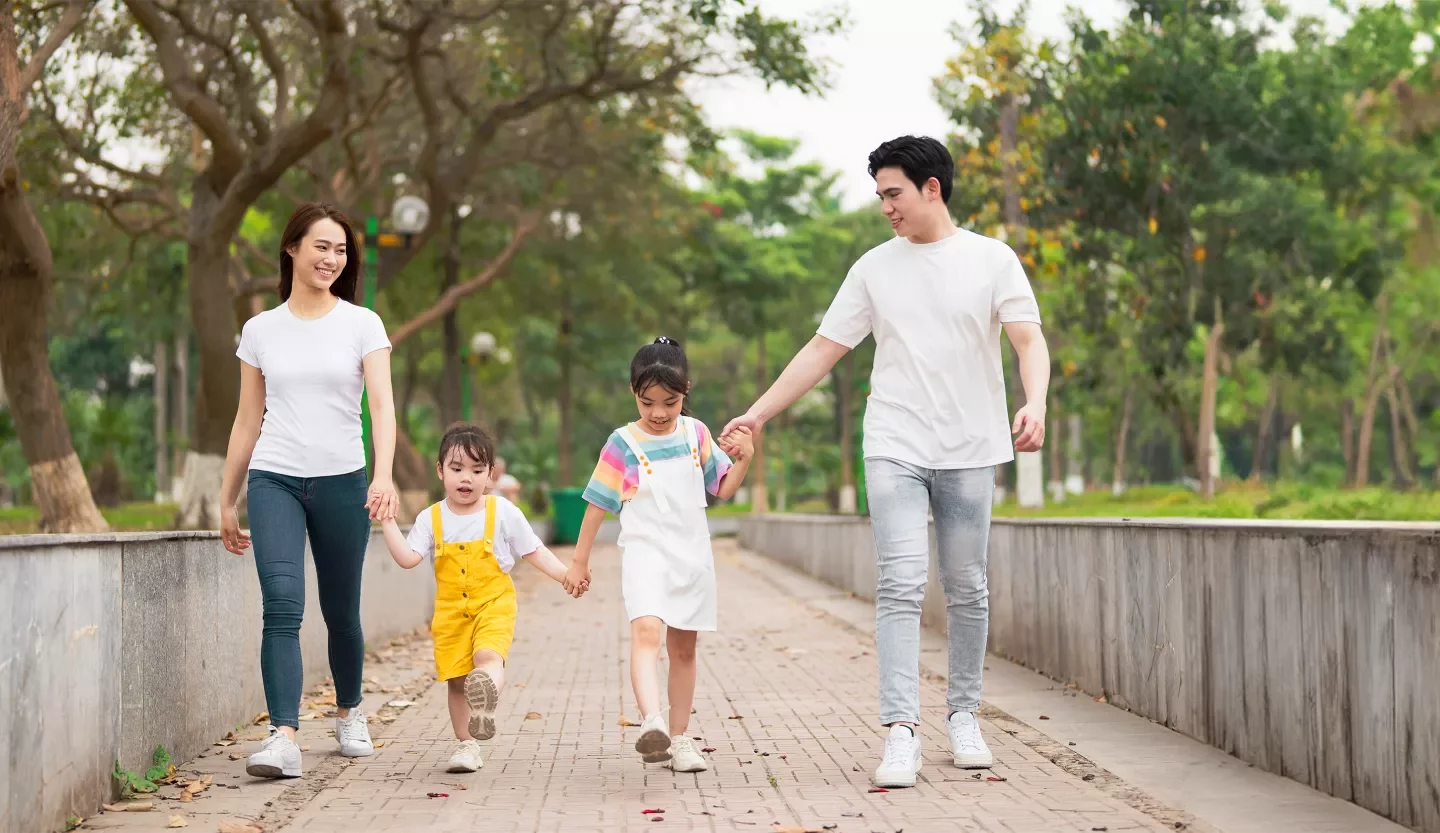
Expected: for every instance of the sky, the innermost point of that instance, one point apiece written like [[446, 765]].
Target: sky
[[884, 66]]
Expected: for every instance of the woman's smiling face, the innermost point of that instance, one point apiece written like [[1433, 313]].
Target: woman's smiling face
[[320, 256]]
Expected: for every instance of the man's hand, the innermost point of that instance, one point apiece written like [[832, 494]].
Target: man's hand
[[730, 441], [1029, 427]]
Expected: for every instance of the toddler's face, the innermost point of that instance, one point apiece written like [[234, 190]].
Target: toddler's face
[[659, 408], [466, 479]]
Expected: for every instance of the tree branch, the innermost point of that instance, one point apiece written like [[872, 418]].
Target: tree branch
[[452, 296], [277, 66], [74, 14]]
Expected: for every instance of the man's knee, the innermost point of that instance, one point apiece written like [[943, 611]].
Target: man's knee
[[966, 588], [901, 585]]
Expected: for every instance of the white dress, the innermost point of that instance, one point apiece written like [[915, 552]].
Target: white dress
[[667, 565]]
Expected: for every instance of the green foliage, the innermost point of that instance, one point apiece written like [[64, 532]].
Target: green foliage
[[131, 783]]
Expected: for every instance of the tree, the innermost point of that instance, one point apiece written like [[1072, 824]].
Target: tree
[[57, 478]]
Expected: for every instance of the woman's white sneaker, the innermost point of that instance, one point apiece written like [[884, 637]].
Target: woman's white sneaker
[[902, 758], [686, 758], [353, 732], [278, 757], [966, 744], [466, 757], [654, 741]]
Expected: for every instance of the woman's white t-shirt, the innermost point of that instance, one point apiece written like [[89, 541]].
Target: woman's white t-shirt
[[313, 382], [937, 391], [513, 533]]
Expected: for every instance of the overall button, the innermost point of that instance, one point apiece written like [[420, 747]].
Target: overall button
[[462, 547], [462, 571], [466, 615], [464, 595]]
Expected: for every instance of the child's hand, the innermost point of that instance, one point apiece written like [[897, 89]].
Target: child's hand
[[739, 444], [577, 579]]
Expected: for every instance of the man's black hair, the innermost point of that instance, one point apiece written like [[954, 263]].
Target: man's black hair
[[921, 158]]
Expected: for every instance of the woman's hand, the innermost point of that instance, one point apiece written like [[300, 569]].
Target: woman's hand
[[383, 501], [230, 534], [741, 444]]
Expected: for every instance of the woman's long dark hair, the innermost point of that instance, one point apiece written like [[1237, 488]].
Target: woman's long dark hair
[[662, 363], [304, 217]]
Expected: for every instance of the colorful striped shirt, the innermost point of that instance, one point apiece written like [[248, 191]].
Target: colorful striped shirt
[[617, 475]]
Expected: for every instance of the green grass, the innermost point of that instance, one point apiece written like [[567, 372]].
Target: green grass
[[1282, 501], [129, 517]]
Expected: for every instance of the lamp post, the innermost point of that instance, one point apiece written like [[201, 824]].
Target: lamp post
[[408, 216], [480, 350]]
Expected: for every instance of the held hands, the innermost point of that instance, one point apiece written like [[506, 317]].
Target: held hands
[[1029, 427], [739, 444], [382, 500], [577, 579], [234, 539]]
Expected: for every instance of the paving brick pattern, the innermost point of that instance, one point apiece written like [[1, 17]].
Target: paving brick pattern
[[787, 697]]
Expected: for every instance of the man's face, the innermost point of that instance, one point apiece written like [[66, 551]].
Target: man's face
[[908, 209]]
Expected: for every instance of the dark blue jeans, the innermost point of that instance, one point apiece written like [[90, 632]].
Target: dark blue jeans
[[332, 510]]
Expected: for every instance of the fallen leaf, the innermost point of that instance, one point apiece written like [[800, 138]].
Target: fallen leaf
[[262, 717], [186, 796], [996, 778], [625, 721], [1088, 778], [233, 827], [735, 717], [132, 807], [849, 815], [304, 749], [708, 749], [311, 716], [438, 795], [1102, 699], [235, 756], [829, 826], [518, 685], [224, 743], [379, 743], [1044, 717], [657, 818], [878, 790], [1101, 829], [178, 821], [792, 828], [651, 812], [400, 704], [533, 715]]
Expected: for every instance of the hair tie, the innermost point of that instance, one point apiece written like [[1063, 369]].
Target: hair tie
[[667, 340]]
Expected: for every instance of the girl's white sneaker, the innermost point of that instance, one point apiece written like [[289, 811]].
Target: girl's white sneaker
[[686, 757], [466, 757], [654, 742]]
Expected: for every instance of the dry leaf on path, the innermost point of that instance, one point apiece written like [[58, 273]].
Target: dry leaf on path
[[625, 721], [235, 756], [224, 743], [311, 716], [262, 717], [533, 715], [234, 827], [132, 807], [178, 821], [792, 828], [400, 704], [379, 743]]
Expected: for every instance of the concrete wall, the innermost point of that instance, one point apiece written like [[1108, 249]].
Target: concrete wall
[[1308, 649], [112, 644]]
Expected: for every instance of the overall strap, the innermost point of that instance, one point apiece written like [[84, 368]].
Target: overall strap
[[646, 465], [692, 436], [437, 525], [490, 519]]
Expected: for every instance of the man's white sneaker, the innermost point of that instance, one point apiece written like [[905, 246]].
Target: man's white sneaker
[[902, 758], [654, 741], [466, 757], [278, 757], [966, 744], [353, 732], [686, 757]]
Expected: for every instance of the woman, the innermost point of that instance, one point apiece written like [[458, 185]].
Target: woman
[[302, 367]]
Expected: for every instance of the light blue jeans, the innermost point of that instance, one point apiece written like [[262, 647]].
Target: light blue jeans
[[901, 498]]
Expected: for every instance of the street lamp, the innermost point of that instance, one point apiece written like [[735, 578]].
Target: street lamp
[[481, 349]]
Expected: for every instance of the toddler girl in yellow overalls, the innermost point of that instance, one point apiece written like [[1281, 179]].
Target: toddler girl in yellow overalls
[[473, 539]]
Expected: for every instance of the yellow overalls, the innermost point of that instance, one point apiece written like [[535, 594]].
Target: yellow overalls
[[474, 599]]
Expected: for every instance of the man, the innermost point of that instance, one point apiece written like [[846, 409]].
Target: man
[[935, 298]]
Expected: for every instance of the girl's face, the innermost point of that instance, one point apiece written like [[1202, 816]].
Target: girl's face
[[659, 408], [466, 479], [320, 256]]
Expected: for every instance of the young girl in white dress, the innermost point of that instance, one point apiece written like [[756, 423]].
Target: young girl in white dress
[[654, 473]]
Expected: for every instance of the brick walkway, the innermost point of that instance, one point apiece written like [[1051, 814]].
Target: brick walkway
[[786, 697]]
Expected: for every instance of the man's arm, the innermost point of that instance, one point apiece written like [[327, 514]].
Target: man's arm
[[1029, 343], [804, 372]]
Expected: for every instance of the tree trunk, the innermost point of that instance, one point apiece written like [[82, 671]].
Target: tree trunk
[[1347, 438], [759, 492], [1373, 389], [1209, 391], [566, 398], [1055, 448], [1122, 438], [848, 497], [782, 492], [1399, 448], [60, 490], [1075, 455], [217, 390], [1015, 226], [1266, 429], [162, 421], [451, 366], [181, 408], [407, 385]]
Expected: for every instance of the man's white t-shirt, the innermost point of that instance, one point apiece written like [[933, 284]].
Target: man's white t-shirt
[[513, 533], [313, 382], [937, 392]]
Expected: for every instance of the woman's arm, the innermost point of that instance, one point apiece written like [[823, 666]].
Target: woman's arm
[[383, 501], [399, 545], [578, 576], [243, 435]]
